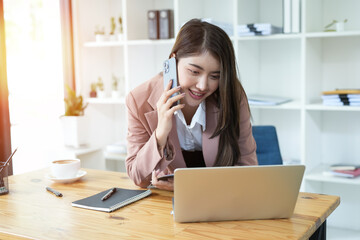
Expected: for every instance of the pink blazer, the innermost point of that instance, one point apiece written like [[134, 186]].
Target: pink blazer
[[143, 155]]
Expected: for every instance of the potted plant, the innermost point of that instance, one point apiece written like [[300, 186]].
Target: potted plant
[[99, 34], [112, 32], [73, 121], [339, 26], [115, 85], [100, 92]]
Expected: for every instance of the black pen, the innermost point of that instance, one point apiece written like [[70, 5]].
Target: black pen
[[109, 194], [58, 194]]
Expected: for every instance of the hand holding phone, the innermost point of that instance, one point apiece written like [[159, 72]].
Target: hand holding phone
[[170, 73], [166, 177], [167, 105], [165, 185]]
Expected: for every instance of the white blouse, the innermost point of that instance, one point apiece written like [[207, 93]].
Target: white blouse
[[190, 136]]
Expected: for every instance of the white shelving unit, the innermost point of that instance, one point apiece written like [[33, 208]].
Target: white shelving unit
[[299, 66]]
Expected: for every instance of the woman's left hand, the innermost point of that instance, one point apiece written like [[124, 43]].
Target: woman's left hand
[[160, 184]]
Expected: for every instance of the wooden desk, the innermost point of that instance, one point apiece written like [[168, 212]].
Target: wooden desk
[[29, 211]]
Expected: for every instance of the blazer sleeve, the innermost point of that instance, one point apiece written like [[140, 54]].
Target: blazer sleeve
[[142, 152], [247, 144]]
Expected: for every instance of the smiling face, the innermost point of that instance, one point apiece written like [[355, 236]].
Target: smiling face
[[199, 77]]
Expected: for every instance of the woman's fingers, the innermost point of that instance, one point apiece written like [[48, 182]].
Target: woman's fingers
[[165, 185], [166, 108], [154, 179], [169, 85], [167, 94]]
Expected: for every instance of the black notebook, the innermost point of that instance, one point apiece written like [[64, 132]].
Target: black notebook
[[119, 199]]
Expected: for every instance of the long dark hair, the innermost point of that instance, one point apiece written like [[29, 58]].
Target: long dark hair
[[194, 38]]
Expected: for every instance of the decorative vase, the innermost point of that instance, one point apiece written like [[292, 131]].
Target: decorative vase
[[100, 37], [115, 94], [100, 94], [93, 94], [74, 130], [113, 37], [120, 36]]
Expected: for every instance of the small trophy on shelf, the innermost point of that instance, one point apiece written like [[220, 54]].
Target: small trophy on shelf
[[100, 88], [112, 32], [115, 87], [121, 32]]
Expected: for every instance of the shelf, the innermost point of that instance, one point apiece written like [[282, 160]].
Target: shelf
[[332, 34], [293, 105], [82, 150], [115, 156], [142, 42], [106, 100], [269, 37], [299, 35], [104, 44], [318, 176], [151, 42], [321, 107]]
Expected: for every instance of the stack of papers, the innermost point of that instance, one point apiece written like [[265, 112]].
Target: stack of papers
[[116, 150], [251, 29], [341, 97], [344, 170], [258, 99], [256, 29]]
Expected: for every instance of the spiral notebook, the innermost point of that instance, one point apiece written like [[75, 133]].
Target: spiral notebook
[[120, 198]]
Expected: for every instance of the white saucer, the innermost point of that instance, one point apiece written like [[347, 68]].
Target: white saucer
[[79, 175]]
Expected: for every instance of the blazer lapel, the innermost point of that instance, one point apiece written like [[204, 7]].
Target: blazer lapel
[[179, 161], [152, 119], [156, 91]]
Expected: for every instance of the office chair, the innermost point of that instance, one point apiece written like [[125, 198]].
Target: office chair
[[268, 150]]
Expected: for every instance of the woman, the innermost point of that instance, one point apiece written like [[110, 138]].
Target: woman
[[211, 125]]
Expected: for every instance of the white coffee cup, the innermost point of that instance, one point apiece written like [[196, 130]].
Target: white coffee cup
[[65, 168]]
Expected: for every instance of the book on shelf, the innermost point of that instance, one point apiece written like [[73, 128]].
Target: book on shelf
[[341, 103], [287, 16], [295, 16], [117, 147], [345, 173], [115, 156], [259, 99], [353, 97], [120, 198], [258, 29], [344, 166], [341, 97], [116, 151], [341, 100], [251, 29], [291, 16], [341, 91]]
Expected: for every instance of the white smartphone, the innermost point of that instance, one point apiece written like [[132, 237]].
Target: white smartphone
[[170, 73]]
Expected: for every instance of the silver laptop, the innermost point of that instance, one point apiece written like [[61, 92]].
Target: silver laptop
[[236, 193]]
